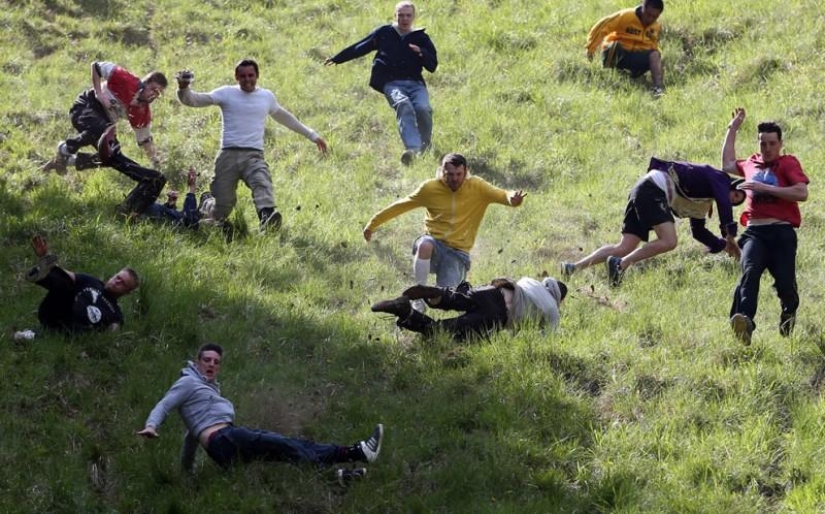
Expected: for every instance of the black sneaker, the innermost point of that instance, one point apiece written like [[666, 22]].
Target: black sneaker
[[270, 219], [372, 447], [742, 328], [345, 476], [407, 157], [399, 306], [614, 271], [42, 268], [787, 321]]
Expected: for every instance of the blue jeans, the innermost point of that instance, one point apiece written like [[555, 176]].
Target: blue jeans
[[449, 265], [413, 113], [232, 443], [772, 248]]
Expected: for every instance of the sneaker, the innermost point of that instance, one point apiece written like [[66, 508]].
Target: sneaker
[[419, 305], [24, 335], [419, 291], [270, 219], [567, 269], [657, 91], [407, 157], [42, 268], [614, 271], [57, 163], [372, 447], [787, 321], [742, 328], [399, 306], [345, 476]]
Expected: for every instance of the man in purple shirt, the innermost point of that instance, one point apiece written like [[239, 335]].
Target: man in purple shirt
[[685, 189]]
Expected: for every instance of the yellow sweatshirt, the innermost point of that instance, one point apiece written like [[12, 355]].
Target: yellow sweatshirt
[[626, 28], [452, 217]]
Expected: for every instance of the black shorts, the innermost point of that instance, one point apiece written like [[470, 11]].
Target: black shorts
[[637, 63], [646, 208]]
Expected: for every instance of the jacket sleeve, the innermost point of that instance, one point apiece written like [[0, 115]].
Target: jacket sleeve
[[398, 208], [721, 192], [190, 450], [174, 397], [493, 194], [700, 233], [359, 49], [601, 29], [429, 55]]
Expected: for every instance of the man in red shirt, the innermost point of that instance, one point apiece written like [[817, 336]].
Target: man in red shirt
[[774, 183], [116, 93]]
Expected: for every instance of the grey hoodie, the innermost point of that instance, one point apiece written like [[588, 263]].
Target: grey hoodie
[[199, 403], [536, 300]]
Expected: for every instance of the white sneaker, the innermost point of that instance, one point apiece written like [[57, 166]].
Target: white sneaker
[[371, 447], [419, 305], [24, 335]]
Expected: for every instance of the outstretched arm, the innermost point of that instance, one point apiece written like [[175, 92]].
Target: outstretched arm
[[288, 120], [41, 249], [729, 145]]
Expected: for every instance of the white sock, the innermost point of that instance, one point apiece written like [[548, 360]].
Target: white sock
[[421, 270]]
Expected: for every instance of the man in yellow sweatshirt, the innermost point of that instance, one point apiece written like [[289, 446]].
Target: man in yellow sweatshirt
[[629, 40], [455, 203]]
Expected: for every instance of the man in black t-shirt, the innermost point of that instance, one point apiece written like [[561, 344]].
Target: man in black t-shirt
[[77, 302]]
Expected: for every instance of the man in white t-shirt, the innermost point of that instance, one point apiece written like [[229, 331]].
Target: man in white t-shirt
[[244, 109]]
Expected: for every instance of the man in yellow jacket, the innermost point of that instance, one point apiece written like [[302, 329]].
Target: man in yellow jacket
[[455, 203], [629, 40]]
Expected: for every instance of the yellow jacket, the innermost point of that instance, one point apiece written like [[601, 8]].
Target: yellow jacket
[[626, 28], [452, 217]]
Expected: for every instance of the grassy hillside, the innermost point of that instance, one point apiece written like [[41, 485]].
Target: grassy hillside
[[643, 402]]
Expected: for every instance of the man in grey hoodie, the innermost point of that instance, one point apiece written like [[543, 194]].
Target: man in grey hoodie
[[209, 419], [505, 303]]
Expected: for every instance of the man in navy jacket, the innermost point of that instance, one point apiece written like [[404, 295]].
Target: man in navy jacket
[[401, 53]]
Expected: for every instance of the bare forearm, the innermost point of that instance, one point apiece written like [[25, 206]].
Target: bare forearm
[[729, 151]]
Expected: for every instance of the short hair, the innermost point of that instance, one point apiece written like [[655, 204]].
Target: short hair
[[132, 273], [247, 62], [210, 347], [404, 3], [770, 126], [456, 159], [156, 77], [655, 4], [562, 290]]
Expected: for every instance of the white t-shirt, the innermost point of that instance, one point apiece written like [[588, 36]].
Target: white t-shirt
[[244, 114]]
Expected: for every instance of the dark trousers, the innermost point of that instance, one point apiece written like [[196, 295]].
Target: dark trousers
[[484, 312], [772, 248], [90, 120], [232, 443], [55, 311]]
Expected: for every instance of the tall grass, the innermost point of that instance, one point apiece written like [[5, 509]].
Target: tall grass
[[643, 402]]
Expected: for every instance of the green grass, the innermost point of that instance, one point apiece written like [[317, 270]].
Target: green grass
[[643, 402]]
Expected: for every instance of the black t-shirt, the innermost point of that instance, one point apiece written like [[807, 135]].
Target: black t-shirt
[[92, 307]]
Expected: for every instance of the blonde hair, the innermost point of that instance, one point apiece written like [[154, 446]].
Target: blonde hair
[[405, 3]]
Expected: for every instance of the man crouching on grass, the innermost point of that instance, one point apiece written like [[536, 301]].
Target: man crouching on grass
[[210, 418]]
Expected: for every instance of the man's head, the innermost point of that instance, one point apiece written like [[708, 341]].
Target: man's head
[[404, 15], [770, 140], [122, 283], [209, 360], [153, 85], [246, 74], [453, 170], [651, 10], [737, 196], [556, 288]]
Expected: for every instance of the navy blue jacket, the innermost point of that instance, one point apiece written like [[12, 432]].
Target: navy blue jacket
[[394, 60]]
